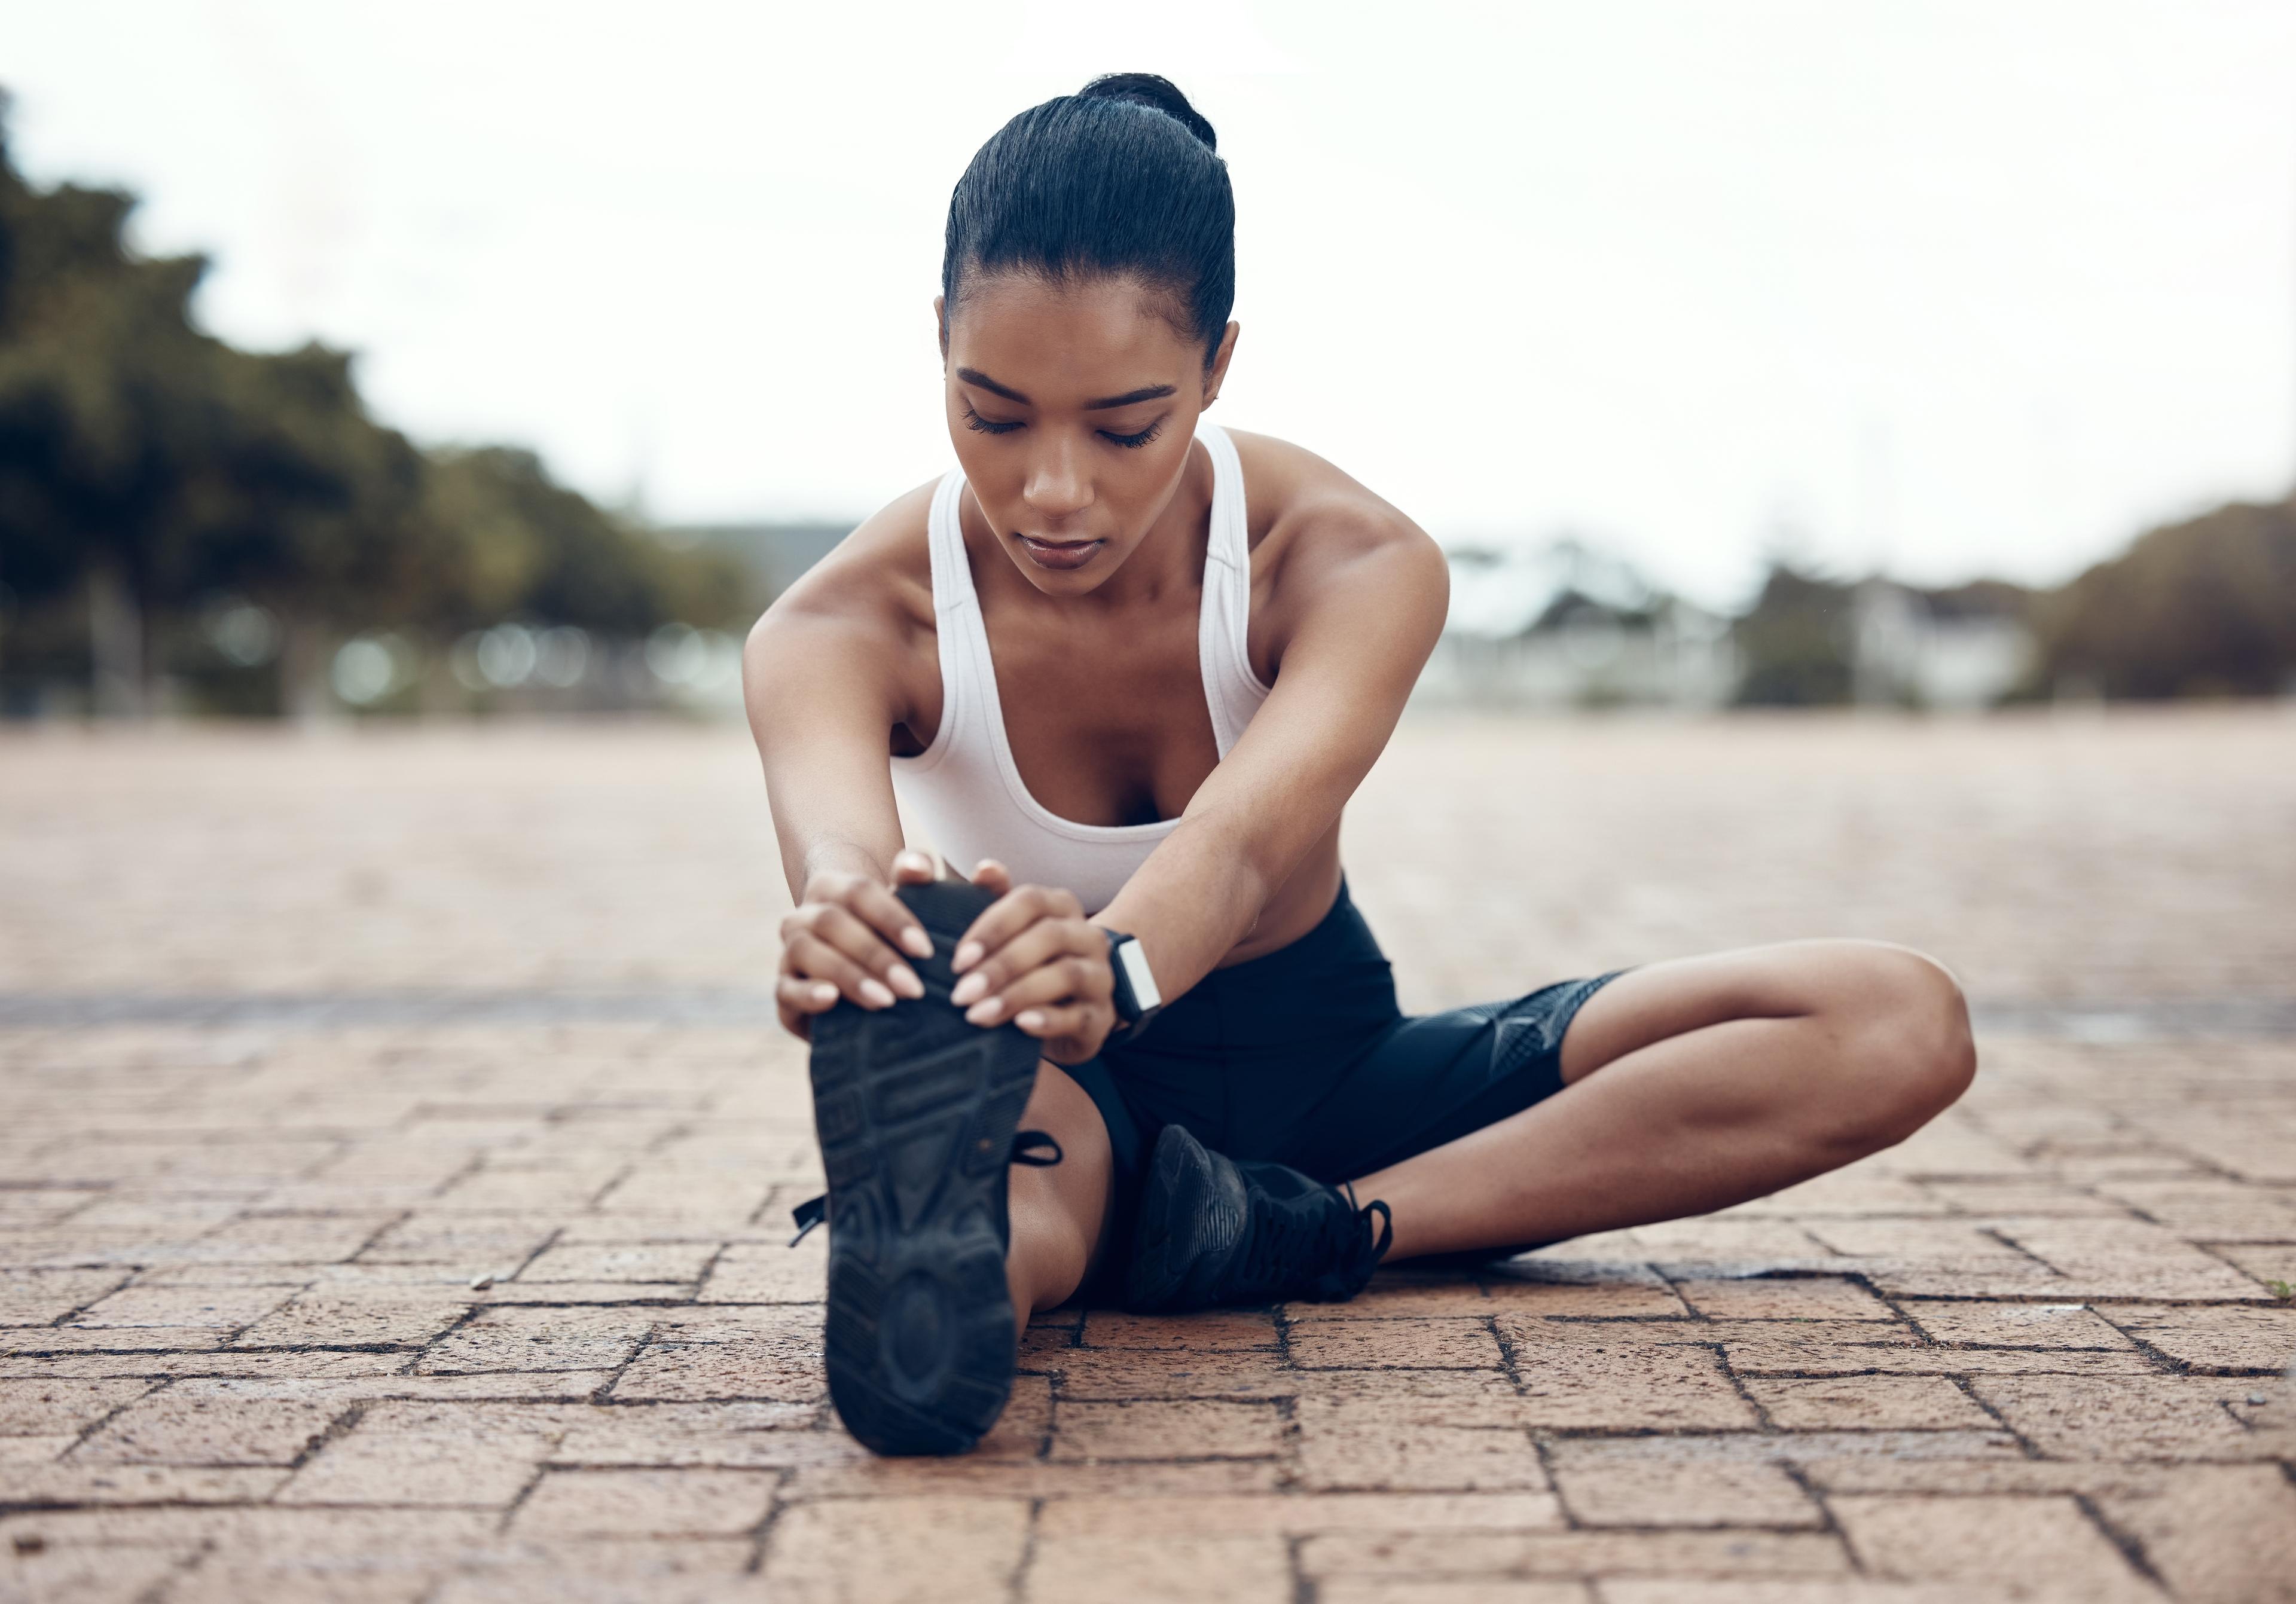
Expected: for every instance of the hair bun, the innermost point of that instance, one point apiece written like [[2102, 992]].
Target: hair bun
[[1148, 89]]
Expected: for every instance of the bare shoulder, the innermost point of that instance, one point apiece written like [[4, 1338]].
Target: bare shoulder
[[882, 573], [1316, 528], [858, 615]]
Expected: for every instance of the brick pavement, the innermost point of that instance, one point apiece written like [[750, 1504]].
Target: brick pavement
[[393, 1168]]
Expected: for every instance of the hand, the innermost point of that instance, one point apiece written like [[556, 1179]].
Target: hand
[[840, 940], [1032, 959]]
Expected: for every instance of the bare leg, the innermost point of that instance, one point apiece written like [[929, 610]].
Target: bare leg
[[1695, 1084], [1060, 1213]]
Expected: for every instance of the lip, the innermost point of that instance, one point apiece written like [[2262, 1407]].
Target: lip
[[1061, 554]]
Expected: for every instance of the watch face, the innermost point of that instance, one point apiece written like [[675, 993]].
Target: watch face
[[1138, 976]]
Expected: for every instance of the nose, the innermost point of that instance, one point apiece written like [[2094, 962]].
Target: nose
[[1059, 483]]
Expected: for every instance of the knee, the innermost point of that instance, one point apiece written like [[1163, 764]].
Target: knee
[[1912, 1053]]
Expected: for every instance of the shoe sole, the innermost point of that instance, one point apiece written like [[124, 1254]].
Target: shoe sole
[[1180, 1207], [917, 1110]]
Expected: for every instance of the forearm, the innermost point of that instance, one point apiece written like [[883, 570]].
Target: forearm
[[1196, 898]]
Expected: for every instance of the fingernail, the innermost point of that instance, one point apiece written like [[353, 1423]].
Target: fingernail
[[968, 953], [904, 981], [876, 993], [824, 993], [968, 988], [985, 1011], [1031, 1021], [916, 943]]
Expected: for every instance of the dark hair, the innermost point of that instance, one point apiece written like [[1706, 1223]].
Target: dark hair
[[1120, 178]]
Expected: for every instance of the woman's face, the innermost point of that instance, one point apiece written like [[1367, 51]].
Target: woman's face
[[1073, 407]]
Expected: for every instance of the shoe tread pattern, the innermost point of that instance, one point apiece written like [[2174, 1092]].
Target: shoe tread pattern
[[917, 1110]]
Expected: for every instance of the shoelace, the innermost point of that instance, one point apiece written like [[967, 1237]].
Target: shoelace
[[1282, 1240], [1029, 1147]]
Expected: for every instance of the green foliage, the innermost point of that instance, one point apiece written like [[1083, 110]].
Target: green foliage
[[2205, 608], [140, 454]]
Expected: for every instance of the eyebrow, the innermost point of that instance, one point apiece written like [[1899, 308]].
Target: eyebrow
[[1146, 392]]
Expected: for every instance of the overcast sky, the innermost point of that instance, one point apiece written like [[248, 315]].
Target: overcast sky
[[1952, 287]]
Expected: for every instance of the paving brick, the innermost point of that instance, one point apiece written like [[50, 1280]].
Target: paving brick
[[515, 1337], [918, 1550], [2054, 1326], [1453, 1343], [447, 1455], [770, 1272], [1180, 1570], [46, 1406], [1153, 1373], [172, 1427], [1612, 1485], [1214, 1330], [645, 1503], [1361, 1444], [2126, 1259], [1388, 1590], [2237, 1340], [357, 1319], [1865, 1403], [1400, 1295], [1707, 1555], [1980, 1540], [608, 1262], [2167, 1418], [1793, 1297], [39, 1298], [72, 1482], [219, 1307], [1585, 1386], [1294, 1515], [2215, 1535], [1155, 1431]]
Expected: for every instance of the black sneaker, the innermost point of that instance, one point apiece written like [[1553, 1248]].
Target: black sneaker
[[1212, 1230], [917, 1113]]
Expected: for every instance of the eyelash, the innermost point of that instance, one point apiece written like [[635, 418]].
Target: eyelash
[[973, 420], [1131, 442]]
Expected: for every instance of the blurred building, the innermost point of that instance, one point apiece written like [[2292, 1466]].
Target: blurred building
[[1567, 626], [1960, 648]]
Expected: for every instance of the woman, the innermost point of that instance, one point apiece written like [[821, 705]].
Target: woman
[[1125, 669]]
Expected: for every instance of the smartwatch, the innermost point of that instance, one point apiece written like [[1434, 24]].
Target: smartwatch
[[1138, 1001]]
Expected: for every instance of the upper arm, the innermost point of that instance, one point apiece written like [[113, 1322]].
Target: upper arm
[[822, 681], [1360, 594]]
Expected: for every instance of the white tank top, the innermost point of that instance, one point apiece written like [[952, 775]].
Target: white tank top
[[964, 791]]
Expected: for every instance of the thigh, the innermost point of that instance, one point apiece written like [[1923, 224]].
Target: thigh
[[1791, 980], [1079, 1186], [1433, 1078]]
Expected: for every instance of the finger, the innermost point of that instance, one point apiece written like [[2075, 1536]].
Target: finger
[[913, 868], [1007, 916], [843, 929], [1057, 1019], [810, 958], [1036, 946], [991, 875], [802, 995], [1062, 980], [797, 1024], [890, 918]]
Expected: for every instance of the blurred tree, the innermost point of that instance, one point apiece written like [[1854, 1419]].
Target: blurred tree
[[2204, 608], [145, 466], [1795, 642]]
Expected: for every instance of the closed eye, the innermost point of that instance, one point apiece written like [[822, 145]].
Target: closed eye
[[1134, 442], [973, 420]]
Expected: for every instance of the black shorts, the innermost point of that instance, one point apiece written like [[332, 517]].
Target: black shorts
[[1302, 1056]]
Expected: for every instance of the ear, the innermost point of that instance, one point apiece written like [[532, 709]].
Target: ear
[[940, 319], [1215, 374]]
